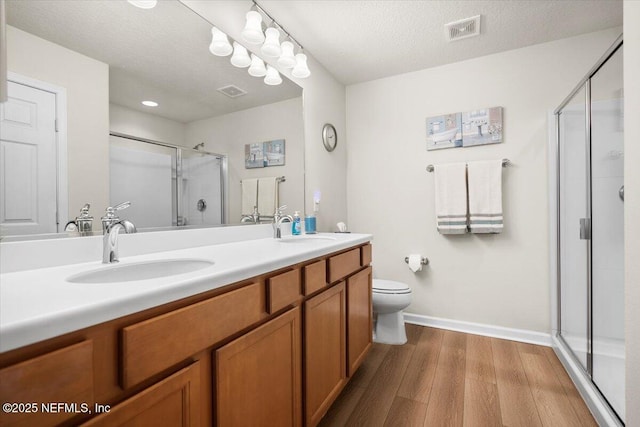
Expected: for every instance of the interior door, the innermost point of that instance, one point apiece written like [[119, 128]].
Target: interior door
[[28, 159]]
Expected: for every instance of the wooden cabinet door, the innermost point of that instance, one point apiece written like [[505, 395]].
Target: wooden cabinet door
[[171, 402], [325, 351], [359, 318], [258, 376]]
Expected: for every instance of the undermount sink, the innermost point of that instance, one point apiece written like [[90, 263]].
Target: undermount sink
[[140, 271], [304, 239]]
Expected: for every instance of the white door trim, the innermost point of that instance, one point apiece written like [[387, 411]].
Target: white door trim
[[62, 200]]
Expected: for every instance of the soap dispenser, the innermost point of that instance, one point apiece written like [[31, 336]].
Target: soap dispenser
[[295, 225]]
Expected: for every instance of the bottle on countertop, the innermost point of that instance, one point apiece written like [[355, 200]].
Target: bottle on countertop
[[295, 225], [310, 224]]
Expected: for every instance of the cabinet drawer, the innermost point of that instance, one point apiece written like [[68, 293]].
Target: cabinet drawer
[[147, 348], [365, 255], [315, 277], [65, 375], [283, 289], [343, 264]]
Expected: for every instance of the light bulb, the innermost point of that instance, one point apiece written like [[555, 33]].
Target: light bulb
[[257, 68], [252, 31], [271, 46], [287, 58], [144, 4], [220, 45], [301, 70], [240, 56], [273, 76]]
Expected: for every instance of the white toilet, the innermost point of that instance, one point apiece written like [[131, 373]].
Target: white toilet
[[389, 299]]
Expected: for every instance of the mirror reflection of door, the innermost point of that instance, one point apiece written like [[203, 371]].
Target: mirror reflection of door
[[28, 160]]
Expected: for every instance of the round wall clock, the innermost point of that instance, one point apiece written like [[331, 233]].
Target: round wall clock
[[329, 137]]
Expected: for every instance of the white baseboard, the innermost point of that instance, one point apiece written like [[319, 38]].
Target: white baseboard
[[512, 334]]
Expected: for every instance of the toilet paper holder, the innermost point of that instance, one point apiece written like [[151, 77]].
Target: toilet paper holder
[[423, 260]]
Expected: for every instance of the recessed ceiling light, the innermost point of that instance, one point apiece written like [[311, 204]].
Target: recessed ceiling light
[[144, 4], [150, 103]]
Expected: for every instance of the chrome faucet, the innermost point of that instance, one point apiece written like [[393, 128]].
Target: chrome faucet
[[278, 219], [111, 225], [110, 240], [254, 217], [111, 217]]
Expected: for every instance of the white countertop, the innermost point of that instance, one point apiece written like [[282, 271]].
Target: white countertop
[[39, 304]]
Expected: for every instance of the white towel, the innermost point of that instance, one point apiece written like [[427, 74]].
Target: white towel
[[267, 188], [249, 195], [485, 196], [451, 198]]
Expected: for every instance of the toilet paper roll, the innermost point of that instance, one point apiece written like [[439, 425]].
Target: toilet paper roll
[[415, 262]]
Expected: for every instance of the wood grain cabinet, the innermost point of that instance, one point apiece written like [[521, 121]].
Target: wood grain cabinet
[[173, 402], [272, 350], [258, 376], [35, 386], [325, 351], [359, 319]]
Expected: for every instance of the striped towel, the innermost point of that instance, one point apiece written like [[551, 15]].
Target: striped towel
[[451, 198], [485, 196]]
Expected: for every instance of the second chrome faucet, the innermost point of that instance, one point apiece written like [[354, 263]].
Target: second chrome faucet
[[278, 219], [112, 225]]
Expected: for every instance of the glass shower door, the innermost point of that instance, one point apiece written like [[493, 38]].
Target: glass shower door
[[607, 211], [573, 216]]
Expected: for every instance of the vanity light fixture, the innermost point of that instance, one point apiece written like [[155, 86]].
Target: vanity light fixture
[[144, 4], [150, 103], [252, 32], [301, 70], [220, 45], [273, 76], [287, 58], [271, 46], [240, 57], [257, 68]]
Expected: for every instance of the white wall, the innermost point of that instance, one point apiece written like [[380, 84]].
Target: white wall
[[228, 134], [87, 83], [324, 102], [632, 207], [148, 126], [493, 279]]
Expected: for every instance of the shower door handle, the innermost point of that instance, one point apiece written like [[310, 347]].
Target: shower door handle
[[585, 228], [621, 193]]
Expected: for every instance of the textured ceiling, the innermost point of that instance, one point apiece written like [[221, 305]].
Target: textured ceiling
[[160, 54], [163, 53], [360, 40]]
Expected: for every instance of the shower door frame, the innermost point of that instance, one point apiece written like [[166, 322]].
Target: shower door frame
[[224, 170], [583, 378]]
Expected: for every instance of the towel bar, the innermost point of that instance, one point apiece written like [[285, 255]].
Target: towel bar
[[505, 163]]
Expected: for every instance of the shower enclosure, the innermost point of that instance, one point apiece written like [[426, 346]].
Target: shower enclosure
[[167, 185], [590, 239]]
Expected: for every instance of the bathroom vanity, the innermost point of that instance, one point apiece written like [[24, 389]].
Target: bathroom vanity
[[270, 343]]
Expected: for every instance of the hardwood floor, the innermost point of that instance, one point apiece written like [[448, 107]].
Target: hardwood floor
[[446, 378]]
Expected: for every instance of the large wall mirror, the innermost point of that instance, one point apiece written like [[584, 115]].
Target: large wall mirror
[[78, 74]]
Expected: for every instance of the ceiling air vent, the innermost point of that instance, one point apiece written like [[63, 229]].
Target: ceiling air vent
[[462, 29], [232, 91]]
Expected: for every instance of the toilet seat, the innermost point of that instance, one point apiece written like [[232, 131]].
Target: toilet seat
[[390, 287]]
